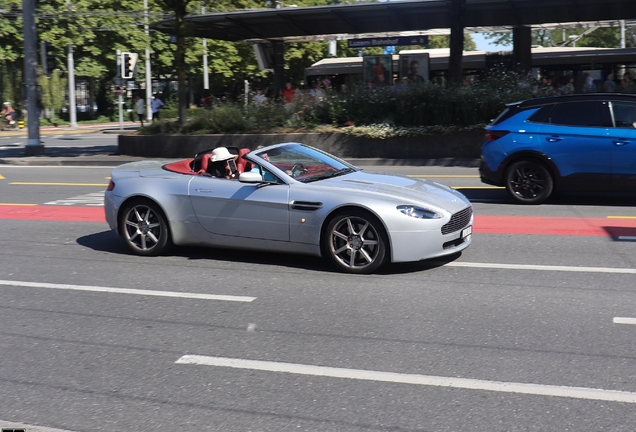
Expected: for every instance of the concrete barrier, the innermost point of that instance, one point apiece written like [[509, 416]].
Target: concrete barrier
[[461, 145]]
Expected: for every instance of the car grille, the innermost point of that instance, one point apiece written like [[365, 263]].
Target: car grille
[[458, 221]]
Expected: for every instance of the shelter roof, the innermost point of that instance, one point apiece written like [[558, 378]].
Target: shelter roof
[[395, 16]]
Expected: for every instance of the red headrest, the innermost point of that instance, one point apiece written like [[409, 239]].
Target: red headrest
[[242, 164]]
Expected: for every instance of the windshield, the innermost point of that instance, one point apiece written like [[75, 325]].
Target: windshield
[[304, 164]]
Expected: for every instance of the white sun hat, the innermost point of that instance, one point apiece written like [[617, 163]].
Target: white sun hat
[[222, 154]]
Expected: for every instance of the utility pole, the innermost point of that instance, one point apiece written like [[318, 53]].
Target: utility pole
[[34, 146], [206, 78], [120, 98], [148, 73], [72, 102]]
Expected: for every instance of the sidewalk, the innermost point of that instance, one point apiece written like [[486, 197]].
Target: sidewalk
[[69, 156]]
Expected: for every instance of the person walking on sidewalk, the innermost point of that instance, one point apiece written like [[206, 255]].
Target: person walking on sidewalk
[[156, 106], [139, 109]]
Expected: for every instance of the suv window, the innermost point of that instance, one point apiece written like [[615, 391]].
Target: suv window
[[542, 115], [590, 113], [624, 114]]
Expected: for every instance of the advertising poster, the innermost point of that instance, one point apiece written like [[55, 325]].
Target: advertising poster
[[378, 69], [414, 67]]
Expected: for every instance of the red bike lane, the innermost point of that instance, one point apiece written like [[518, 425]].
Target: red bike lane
[[484, 224]]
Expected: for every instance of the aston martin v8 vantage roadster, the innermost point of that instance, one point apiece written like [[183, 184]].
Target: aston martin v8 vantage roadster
[[288, 198]]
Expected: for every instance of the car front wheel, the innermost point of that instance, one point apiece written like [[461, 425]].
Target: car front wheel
[[144, 228], [355, 242], [529, 182]]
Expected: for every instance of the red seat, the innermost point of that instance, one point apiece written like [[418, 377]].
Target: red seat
[[205, 160], [242, 164]]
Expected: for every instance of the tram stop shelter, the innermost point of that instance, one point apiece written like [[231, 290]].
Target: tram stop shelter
[[342, 21]]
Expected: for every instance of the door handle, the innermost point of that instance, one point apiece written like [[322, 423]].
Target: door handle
[[554, 139], [621, 143]]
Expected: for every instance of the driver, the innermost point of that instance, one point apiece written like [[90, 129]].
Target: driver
[[223, 164]]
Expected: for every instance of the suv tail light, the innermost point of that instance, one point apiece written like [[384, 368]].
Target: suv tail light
[[495, 134], [111, 186]]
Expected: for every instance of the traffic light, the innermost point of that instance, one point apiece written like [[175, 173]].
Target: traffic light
[[48, 58], [128, 65]]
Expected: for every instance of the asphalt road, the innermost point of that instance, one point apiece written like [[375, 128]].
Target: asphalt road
[[522, 332]]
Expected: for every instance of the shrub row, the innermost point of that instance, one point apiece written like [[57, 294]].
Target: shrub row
[[427, 107]]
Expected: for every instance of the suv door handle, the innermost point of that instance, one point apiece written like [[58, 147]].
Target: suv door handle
[[621, 143], [554, 139]]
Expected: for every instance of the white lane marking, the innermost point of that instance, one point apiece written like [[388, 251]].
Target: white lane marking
[[619, 320], [129, 291], [423, 380], [540, 267], [30, 428], [95, 199]]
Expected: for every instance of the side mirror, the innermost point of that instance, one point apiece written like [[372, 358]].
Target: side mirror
[[250, 177]]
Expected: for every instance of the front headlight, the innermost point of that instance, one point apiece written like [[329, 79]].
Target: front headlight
[[418, 212]]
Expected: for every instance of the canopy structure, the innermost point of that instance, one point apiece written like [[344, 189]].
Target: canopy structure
[[309, 23], [396, 16]]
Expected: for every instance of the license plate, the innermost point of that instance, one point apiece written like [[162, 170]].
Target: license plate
[[467, 231]]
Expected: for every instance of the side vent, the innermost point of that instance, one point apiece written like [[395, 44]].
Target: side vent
[[306, 205]]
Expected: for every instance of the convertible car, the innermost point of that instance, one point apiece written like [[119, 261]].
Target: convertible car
[[288, 198]]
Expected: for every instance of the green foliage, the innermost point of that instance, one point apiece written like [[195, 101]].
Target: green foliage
[[381, 112]]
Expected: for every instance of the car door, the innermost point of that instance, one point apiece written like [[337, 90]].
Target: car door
[[623, 138], [576, 139], [232, 208]]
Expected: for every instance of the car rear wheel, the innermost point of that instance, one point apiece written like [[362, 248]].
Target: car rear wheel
[[355, 241], [529, 182], [144, 228]]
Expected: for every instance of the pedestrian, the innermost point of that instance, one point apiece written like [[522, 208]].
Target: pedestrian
[[139, 109], [156, 105]]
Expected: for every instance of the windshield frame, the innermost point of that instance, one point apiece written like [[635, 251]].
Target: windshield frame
[[300, 162]]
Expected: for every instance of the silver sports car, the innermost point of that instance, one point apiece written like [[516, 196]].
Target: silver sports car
[[286, 198]]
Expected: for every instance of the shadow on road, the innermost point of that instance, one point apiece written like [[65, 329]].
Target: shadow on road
[[108, 241]]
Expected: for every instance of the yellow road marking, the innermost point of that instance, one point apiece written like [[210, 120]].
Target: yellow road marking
[[621, 217], [57, 184], [13, 204], [1, 177], [442, 176]]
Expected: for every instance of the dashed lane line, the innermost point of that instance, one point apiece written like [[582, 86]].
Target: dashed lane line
[[615, 270], [621, 320], [140, 292], [414, 379], [58, 184], [28, 427]]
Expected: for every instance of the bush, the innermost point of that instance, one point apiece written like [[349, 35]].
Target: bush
[[414, 110]]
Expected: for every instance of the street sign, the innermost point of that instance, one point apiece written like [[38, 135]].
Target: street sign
[[387, 41], [117, 91]]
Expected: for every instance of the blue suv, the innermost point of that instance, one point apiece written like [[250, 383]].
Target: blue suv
[[582, 143]]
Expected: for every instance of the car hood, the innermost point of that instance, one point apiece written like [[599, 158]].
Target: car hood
[[400, 188]]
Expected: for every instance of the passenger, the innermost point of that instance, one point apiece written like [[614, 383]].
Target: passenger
[[267, 176], [589, 86], [627, 85], [223, 164], [609, 86]]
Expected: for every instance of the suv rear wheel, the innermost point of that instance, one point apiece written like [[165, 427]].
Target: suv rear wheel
[[529, 182]]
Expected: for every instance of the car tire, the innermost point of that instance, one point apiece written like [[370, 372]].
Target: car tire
[[529, 182], [355, 242], [144, 228]]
